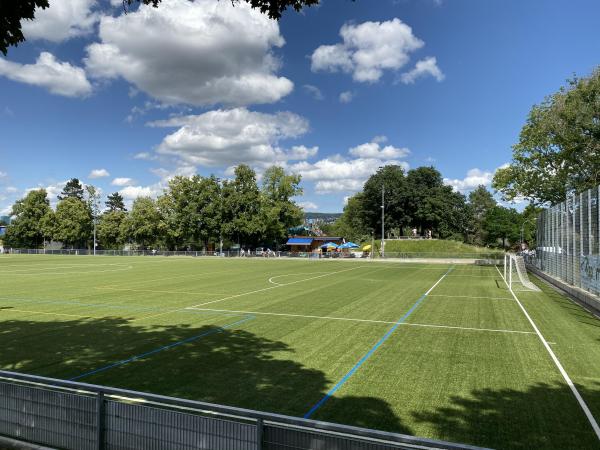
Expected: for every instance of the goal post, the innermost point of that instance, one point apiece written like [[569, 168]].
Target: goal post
[[515, 274]]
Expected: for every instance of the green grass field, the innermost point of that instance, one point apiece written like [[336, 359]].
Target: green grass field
[[461, 364]]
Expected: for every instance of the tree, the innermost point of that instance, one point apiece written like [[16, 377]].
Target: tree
[[12, 13], [73, 222], [115, 202], [73, 189], [351, 224], [502, 223], [26, 229], [109, 229], [143, 225], [559, 146], [481, 201], [242, 203], [281, 213]]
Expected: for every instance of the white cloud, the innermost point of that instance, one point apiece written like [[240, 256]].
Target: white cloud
[[234, 136], [201, 53], [308, 206], [60, 78], [3, 174], [427, 66], [474, 178], [374, 150], [368, 49], [300, 152], [132, 192], [99, 173], [346, 97], [11, 190], [147, 156], [314, 91], [122, 181], [64, 19]]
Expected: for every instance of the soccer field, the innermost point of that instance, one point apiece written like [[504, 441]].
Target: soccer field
[[440, 351]]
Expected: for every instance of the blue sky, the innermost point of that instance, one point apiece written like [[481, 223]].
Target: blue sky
[[125, 102]]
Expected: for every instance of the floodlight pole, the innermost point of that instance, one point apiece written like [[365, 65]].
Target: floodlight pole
[[382, 220], [221, 221]]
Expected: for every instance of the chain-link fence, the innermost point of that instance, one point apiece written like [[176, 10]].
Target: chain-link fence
[[568, 247]]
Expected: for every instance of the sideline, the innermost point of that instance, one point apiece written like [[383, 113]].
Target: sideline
[[561, 369]]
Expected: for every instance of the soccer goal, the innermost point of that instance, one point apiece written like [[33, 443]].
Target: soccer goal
[[515, 274]]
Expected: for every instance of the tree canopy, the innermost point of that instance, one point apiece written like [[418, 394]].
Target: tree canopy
[[13, 12], [559, 146]]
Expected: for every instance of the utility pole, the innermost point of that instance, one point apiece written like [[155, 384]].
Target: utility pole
[[382, 220], [221, 212]]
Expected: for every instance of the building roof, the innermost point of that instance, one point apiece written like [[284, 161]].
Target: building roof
[[299, 241]]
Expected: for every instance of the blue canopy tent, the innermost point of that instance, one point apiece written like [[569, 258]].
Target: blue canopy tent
[[349, 245]]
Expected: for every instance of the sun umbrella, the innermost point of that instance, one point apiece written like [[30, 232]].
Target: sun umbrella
[[329, 245], [367, 247], [349, 245]]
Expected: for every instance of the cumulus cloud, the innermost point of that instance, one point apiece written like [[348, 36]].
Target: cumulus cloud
[[98, 173], [147, 156], [368, 49], [192, 53], [63, 20], [130, 193], [60, 78], [373, 149], [338, 173], [314, 91], [308, 206], [423, 68], [474, 178], [122, 181], [234, 136], [346, 97]]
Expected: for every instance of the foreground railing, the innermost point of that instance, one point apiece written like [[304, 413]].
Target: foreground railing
[[79, 416]]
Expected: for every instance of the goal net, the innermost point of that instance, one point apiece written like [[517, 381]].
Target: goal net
[[515, 274]]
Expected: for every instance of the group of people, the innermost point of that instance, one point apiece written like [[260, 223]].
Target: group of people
[[415, 234]]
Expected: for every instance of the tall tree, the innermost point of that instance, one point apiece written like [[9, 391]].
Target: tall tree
[[73, 223], [109, 229], [26, 229], [281, 212], [143, 225], [12, 13], [481, 201], [115, 202], [351, 225], [73, 189], [502, 224], [243, 221], [559, 146]]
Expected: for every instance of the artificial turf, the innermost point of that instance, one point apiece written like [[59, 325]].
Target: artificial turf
[[278, 335]]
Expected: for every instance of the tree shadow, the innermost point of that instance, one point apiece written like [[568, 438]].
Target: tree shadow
[[227, 366], [543, 417]]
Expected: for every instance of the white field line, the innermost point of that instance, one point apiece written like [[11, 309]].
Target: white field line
[[154, 291], [561, 369], [289, 275], [468, 296], [471, 276], [274, 287], [45, 313], [243, 294], [350, 319]]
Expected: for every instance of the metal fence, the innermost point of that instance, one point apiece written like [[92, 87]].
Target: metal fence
[[78, 416], [568, 247]]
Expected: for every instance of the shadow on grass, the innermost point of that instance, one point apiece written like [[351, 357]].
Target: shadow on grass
[[544, 417], [229, 366]]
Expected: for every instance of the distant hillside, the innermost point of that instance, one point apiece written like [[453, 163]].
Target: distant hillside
[[322, 216]]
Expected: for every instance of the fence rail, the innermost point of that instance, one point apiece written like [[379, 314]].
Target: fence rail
[[568, 247], [80, 416], [282, 254]]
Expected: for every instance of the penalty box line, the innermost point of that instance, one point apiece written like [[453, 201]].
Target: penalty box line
[[561, 369], [379, 343]]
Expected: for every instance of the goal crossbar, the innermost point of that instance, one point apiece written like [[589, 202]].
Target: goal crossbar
[[515, 273]]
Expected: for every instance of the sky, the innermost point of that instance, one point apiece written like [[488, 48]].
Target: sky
[[127, 101]]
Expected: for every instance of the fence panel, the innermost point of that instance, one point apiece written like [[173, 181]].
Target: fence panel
[[47, 417]]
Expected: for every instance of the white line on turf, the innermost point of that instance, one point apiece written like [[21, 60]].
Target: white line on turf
[[273, 287], [350, 319], [560, 367], [468, 296]]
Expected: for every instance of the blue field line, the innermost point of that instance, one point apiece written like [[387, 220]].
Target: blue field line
[[106, 305], [164, 347], [385, 337]]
